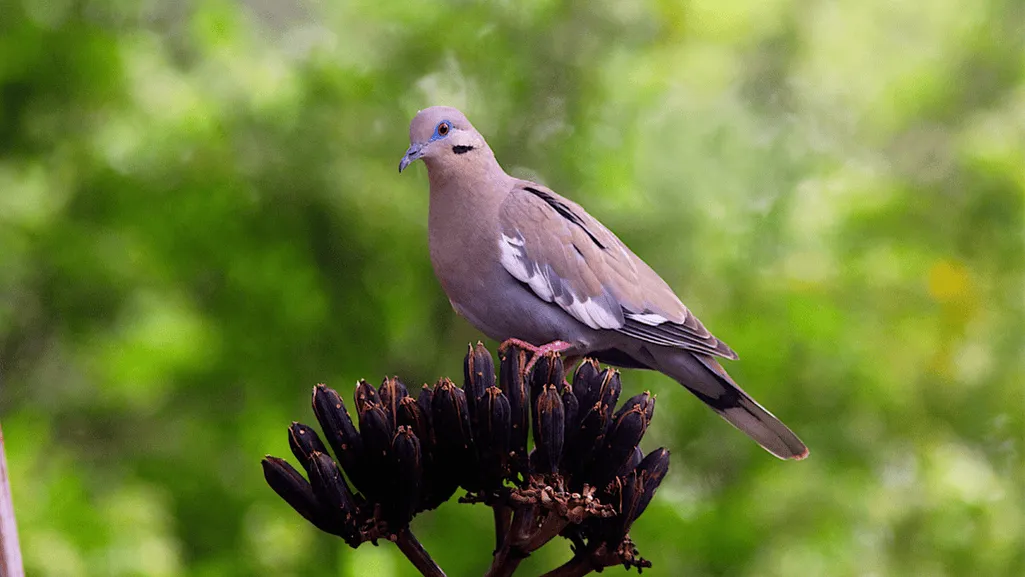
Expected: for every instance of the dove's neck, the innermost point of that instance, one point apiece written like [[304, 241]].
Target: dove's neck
[[465, 184], [463, 218]]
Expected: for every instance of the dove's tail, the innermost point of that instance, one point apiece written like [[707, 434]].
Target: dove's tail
[[708, 380]]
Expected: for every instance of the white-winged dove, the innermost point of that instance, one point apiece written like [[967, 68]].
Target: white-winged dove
[[522, 263]]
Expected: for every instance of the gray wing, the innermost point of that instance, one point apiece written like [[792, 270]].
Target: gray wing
[[567, 257]]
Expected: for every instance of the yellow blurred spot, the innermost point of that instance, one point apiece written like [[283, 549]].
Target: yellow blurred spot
[[948, 281]]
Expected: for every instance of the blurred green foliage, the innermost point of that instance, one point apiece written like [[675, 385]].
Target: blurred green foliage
[[200, 218]]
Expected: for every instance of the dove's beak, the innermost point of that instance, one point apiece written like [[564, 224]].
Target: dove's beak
[[413, 153]]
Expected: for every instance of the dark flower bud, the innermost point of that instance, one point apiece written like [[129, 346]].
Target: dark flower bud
[[341, 434], [451, 418], [632, 493], [478, 375], [581, 445], [492, 436], [365, 396], [377, 435], [610, 388], [653, 468], [453, 435], [411, 415], [586, 383], [453, 461], [572, 409], [623, 435], [298, 493], [332, 491], [645, 401], [405, 497], [548, 370], [390, 393], [376, 432], [624, 494], [635, 459], [303, 440], [511, 380], [438, 487], [424, 400], [549, 428]]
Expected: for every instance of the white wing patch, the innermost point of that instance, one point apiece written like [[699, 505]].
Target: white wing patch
[[587, 311], [514, 261], [650, 319], [591, 314]]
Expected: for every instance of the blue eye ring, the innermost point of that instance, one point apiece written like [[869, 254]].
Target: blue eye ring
[[442, 129]]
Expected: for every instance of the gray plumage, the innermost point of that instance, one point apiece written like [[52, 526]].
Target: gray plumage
[[519, 261]]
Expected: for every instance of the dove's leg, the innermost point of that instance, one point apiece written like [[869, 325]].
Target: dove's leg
[[539, 351]]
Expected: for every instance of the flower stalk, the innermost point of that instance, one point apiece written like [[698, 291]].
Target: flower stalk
[[583, 477]]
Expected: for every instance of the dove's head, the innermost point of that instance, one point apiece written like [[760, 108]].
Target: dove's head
[[442, 137]]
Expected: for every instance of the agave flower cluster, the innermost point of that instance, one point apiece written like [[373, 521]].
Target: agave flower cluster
[[583, 477]]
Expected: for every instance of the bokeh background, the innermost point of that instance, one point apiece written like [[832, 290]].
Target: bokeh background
[[200, 218]]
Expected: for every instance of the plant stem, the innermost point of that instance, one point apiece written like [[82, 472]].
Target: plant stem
[[503, 516], [505, 563], [10, 552], [417, 555], [523, 523], [510, 553], [550, 528]]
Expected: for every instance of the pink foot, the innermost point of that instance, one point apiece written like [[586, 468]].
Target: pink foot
[[539, 351]]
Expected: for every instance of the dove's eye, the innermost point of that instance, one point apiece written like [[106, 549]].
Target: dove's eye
[[443, 128]]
